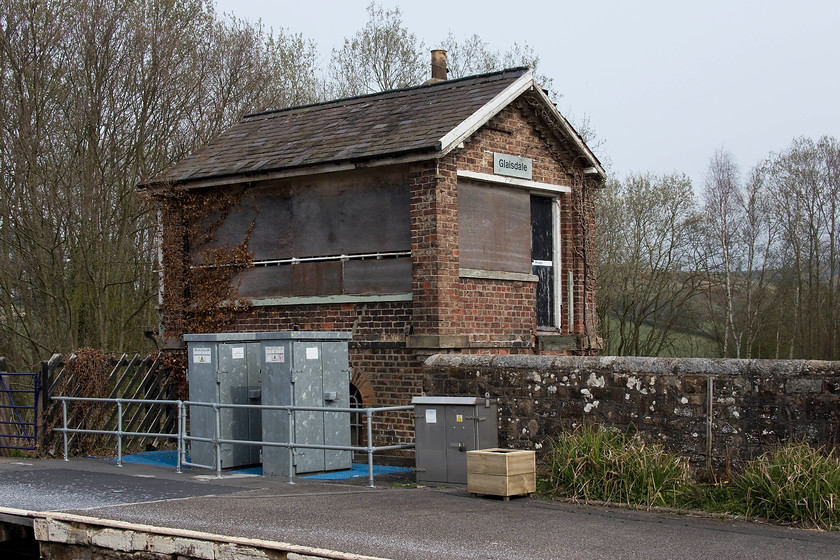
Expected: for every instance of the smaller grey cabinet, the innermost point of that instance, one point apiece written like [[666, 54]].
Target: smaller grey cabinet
[[445, 428]]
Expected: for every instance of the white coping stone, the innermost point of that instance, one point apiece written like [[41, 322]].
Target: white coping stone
[[182, 546], [113, 539], [61, 528]]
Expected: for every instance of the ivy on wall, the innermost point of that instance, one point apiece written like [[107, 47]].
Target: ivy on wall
[[201, 277]]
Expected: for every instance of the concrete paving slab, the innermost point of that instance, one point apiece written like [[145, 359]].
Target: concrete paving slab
[[60, 489], [402, 523], [415, 524]]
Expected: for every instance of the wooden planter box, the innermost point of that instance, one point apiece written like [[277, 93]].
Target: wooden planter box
[[501, 472]]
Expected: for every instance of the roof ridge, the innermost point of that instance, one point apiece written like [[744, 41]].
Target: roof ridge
[[383, 94]]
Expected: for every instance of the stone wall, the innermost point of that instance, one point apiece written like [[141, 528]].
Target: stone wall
[[718, 413], [71, 537]]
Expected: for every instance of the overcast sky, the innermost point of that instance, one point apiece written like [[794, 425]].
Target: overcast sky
[[664, 83]]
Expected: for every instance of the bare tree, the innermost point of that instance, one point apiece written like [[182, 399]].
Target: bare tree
[[383, 55], [805, 182], [646, 228], [32, 70], [94, 97], [757, 236], [474, 55], [722, 206], [739, 237], [469, 56], [767, 251], [243, 68]]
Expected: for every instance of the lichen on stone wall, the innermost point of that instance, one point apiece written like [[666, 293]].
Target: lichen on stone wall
[[755, 404]]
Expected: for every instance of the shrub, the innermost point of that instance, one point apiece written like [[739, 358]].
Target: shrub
[[86, 375], [794, 482], [594, 463]]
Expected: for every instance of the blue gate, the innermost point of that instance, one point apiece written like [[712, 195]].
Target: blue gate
[[18, 410]]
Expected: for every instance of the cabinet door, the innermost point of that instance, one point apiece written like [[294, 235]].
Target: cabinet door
[[277, 386], [460, 438], [336, 394], [203, 358], [234, 389], [430, 438], [308, 390]]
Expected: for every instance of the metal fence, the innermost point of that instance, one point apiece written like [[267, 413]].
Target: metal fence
[[18, 410], [136, 377], [183, 438]]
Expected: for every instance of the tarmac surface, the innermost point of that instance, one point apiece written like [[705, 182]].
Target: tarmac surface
[[390, 521]]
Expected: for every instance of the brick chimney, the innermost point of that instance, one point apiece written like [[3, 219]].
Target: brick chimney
[[438, 66]]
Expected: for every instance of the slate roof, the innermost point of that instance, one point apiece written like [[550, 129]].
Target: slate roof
[[388, 124]]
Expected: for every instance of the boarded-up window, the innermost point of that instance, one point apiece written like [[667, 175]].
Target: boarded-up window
[[324, 278], [363, 217], [494, 228]]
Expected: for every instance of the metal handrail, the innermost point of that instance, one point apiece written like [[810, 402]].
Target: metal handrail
[[218, 441]]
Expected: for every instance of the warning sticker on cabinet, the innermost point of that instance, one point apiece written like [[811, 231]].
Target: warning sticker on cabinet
[[275, 354], [237, 353], [459, 418], [202, 356], [431, 416], [312, 353]]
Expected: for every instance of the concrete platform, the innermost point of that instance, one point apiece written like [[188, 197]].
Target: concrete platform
[[348, 520]]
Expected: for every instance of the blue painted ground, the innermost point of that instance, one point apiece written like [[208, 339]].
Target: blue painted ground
[[161, 458], [358, 470]]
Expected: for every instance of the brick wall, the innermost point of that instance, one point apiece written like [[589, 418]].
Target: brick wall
[[432, 212], [395, 375], [383, 321], [754, 403], [517, 130], [444, 303], [495, 308]]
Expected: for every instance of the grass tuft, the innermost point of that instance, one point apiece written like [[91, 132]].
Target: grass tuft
[[791, 483], [594, 463], [794, 482]]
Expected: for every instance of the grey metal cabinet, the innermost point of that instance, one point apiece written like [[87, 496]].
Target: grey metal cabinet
[[445, 429], [307, 369]]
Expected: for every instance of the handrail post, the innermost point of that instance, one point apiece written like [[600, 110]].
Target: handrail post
[[64, 417], [218, 445], [119, 432], [710, 410], [369, 415], [180, 444], [291, 446]]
